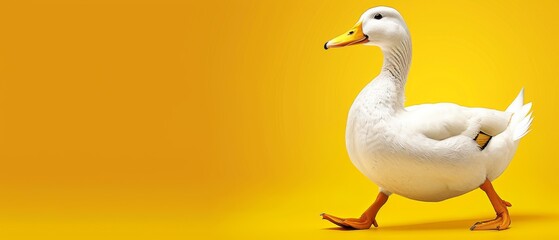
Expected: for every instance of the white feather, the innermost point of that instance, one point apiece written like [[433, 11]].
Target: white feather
[[517, 103], [521, 119], [523, 127]]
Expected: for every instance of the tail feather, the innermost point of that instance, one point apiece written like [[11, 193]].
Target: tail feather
[[521, 118], [524, 110], [517, 103], [522, 128]]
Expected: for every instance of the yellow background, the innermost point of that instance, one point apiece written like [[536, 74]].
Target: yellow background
[[226, 119]]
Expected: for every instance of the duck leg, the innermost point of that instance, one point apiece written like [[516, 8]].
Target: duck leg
[[365, 221], [502, 221]]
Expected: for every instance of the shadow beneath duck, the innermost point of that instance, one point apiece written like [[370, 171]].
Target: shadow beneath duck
[[339, 229], [457, 224]]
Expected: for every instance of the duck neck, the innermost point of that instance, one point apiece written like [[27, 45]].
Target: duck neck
[[397, 60], [394, 73]]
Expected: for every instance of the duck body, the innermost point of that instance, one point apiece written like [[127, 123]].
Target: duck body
[[425, 152]]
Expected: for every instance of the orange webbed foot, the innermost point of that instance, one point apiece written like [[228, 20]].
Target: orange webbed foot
[[501, 222], [350, 223], [365, 221]]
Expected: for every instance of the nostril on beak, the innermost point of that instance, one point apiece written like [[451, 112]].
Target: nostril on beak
[[350, 33]]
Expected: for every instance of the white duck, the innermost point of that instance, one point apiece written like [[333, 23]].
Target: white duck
[[428, 152]]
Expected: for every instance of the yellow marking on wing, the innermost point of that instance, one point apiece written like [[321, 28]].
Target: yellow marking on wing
[[482, 140]]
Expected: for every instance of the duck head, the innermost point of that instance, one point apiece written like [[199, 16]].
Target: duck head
[[380, 26]]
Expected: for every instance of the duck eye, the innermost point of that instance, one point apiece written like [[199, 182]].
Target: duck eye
[[378, 16]]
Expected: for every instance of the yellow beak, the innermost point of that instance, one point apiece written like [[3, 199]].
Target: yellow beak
[[351, 37]]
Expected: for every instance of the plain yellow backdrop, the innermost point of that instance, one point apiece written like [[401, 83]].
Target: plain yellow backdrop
[[226, 119]]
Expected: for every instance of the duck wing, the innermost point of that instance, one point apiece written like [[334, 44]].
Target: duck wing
[[446, 120]]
